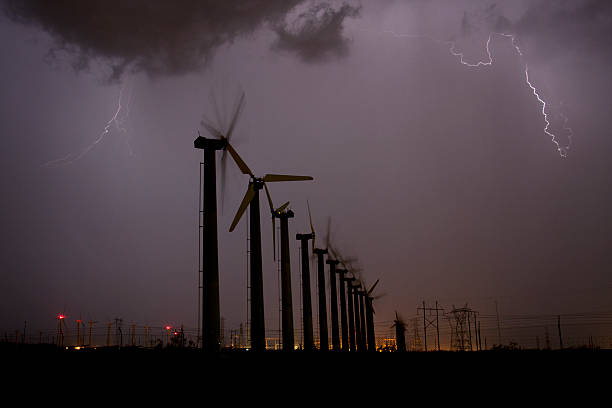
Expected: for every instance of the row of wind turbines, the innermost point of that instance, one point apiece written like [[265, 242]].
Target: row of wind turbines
[[354, 331]]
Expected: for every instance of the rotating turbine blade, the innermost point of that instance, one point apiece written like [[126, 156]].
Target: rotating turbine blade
[[210, 127], [373, 286], [282, 207], [241, 164], [273, 237], [328, 236], [269, 198], [273, 221], [248, 197], [312, 231], [220, 119], [223, 168], [270, 178], [237, 110]]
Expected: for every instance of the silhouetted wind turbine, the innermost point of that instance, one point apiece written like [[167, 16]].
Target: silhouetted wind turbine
[[323, 334], [333, 303], [210, 254], [351, 312], [362, 323], [370, 317], [251, 200], [284, 214], [400, 330]]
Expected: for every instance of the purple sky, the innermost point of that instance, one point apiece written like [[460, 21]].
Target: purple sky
[[438, 176]]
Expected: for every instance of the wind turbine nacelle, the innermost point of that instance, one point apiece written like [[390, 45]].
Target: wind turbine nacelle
[[205, 143], [300, 237], [284, 214]]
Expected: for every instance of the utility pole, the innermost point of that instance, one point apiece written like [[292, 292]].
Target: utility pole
[[475, 331], [119, 331], [90, 329], [559, 329], [78, 332], [429, 321], [499, 338]]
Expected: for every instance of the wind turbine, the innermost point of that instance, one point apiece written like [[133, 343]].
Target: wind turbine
[[323, 334], [284, 214], [251, 200], [400, 330], [358, 312], [342, 279], [211, 319], [351, 312], [341, 271], [370, 317], [333, 302]]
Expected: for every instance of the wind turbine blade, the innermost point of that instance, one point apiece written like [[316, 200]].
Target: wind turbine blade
[[373, 286], [269, 199], [283, 177], [248, 197], [241, 164], [223, 166], [333, 251], [282, 207], [274, 236], [211, 129], [312, 231], [237, 110], [213, 100], [328, 236]]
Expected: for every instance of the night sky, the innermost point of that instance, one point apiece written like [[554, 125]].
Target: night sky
[[438, 176]]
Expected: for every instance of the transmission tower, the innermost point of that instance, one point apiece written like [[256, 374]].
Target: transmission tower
[[461, 330]]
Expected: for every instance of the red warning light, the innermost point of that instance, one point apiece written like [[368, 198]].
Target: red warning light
[[61, 316], [168, 328]]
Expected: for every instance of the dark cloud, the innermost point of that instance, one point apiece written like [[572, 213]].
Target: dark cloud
[[316, 34], [169, 38], [564, 27]]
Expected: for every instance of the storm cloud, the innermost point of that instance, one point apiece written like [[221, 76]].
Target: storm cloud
[[160, 38], [316, 34], [551, 28]]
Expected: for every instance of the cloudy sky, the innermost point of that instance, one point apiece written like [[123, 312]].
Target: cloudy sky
[[439, 172]]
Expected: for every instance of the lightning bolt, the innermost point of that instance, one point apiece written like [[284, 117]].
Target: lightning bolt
[[118, 121], [563, 150]]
